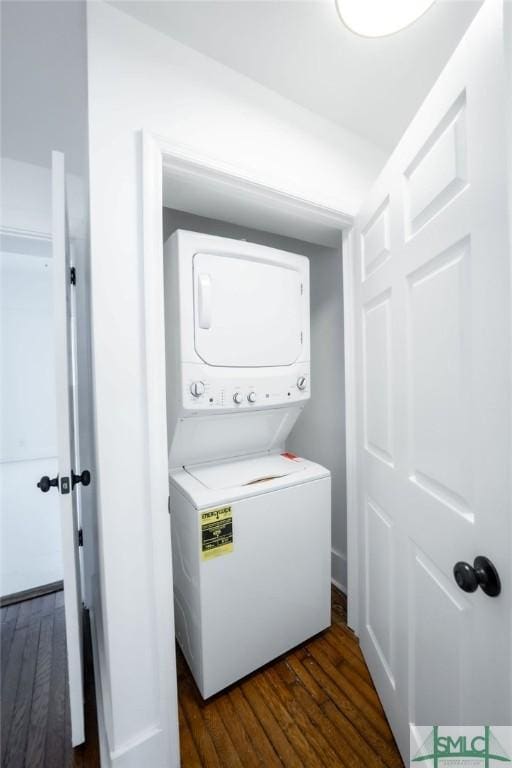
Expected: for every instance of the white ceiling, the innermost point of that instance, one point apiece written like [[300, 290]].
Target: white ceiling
[[300, 49]]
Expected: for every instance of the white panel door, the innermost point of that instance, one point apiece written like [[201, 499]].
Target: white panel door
[[66, 446], [433, 355], [246, 312]]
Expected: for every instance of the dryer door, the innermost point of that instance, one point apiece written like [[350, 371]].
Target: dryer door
[[247, 313]]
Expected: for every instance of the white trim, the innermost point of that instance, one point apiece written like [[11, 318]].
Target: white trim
[[156, 445], [131, 754], [16, 240], [339, 585], [157, 155], [184, 161], [25, 234], [353, 593], [105, 761], [507, 36], [339, 570]]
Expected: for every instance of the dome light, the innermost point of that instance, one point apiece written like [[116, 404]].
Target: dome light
[[378, 18]]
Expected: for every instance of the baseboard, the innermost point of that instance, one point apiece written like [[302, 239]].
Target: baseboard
[[339, 586], [105, 760], [30, 594], [145, 749], [339, 570]]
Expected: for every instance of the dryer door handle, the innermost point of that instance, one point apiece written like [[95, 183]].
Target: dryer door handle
[[204, 290]]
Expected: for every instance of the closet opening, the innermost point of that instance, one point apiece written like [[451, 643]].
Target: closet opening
[[316, 702], [319, 433]]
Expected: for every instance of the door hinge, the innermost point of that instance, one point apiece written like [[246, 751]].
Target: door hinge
[[301, 289], [72, 275], [80, 538]]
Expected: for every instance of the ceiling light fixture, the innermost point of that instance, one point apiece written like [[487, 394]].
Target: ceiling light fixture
[[378, 18]]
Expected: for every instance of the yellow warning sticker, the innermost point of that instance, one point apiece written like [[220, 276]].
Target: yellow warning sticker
[[216, 532]]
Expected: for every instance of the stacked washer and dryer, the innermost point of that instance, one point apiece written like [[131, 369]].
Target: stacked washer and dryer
[[250, 522]]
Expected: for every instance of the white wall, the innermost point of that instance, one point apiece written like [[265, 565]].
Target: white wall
[[26, 515], [44, 107], [29, 521], [141, 79], [27, 201], [320, 432], [43, 82], [144, 79]]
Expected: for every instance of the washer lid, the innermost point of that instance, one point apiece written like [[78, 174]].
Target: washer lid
[[249, 472]]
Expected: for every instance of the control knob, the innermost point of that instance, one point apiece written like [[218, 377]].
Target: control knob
[[197, 388], [301, 382], [251, 397], [238, 397]]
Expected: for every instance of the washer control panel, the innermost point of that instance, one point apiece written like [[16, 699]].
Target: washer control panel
[[197, 388], [202, 391]]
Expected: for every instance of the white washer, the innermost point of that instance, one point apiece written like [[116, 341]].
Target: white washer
[[250, 524], [251, 562]]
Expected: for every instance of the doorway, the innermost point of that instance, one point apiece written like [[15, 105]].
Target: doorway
[[319, 434], [37, 713], [31, 556], [315, 705], [173, 179]]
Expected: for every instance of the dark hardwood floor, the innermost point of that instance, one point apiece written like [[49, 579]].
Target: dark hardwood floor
[[35, 721], [315, 706]]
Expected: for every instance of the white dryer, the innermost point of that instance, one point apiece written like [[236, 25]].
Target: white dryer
[[250, 523]]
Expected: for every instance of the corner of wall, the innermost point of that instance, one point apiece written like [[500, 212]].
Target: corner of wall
[[339, 570]]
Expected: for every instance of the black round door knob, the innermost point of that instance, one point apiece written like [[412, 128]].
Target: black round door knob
[[481, 574], [84, 478], [46, 483]]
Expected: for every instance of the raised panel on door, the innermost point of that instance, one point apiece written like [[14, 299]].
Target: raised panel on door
[[439, 618], [377, 397], [375, 240], [438, 361], [377, 379], [439, 170], [380, 552]]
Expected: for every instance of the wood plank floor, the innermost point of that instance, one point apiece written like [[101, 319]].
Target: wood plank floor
[[315, 706], [35, 721]]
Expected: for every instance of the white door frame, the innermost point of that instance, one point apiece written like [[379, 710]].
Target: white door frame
[[160, 156]]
